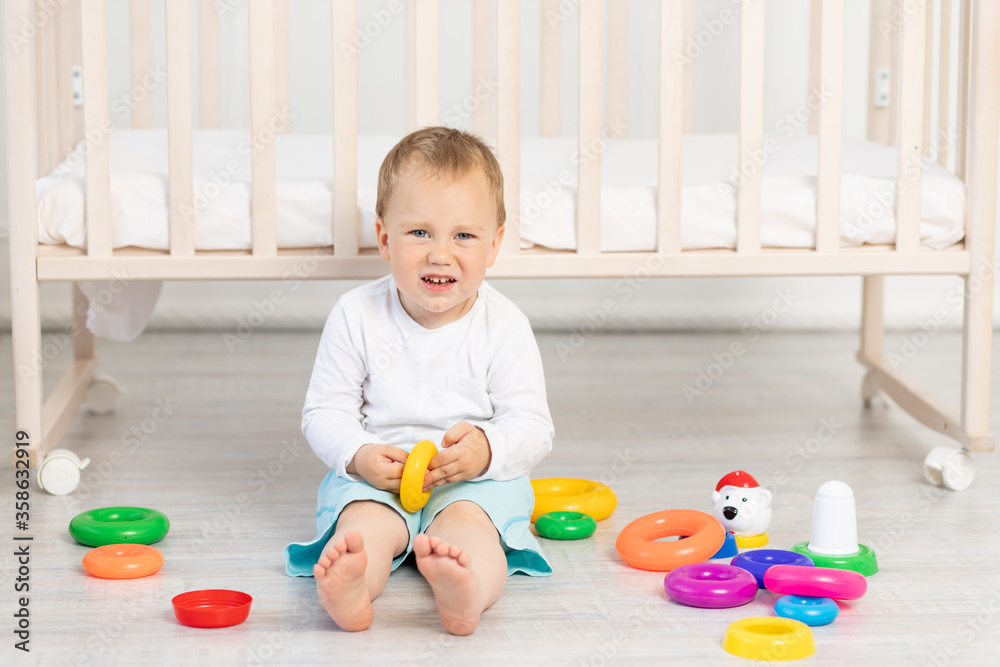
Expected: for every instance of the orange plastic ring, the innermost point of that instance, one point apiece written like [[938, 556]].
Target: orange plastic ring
[[123, 561], [704, 534]]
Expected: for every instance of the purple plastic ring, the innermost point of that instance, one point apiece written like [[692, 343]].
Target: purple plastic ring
[[710, 585], [757, 562]]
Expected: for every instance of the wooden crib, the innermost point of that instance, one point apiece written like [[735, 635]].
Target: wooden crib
[[48, 38]]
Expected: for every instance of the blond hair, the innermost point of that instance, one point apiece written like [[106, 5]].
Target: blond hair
[[440, 151]]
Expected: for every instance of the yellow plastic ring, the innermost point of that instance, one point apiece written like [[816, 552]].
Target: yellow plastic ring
[[751, 541], [411, 486], [560, 494], [769, 638]]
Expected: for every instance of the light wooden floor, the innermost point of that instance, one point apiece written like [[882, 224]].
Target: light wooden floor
[[231, 470]]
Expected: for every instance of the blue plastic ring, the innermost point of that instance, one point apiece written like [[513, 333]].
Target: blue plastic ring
[[758, 561], [809, 610]]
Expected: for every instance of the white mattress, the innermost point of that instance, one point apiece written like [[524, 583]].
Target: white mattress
[[548, 193]]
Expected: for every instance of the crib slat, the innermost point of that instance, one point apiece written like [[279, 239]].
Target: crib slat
[[928, 73], [411, 66], [831, 123], [690, 27], [482, 69], [588, 199], [65, 81], [941, 140], [751, 141], [345, 132], [981, 217], [550, 62], [96, 126], [509, 119], [815, 57], [209, 65], [962, 103], [672, 112], [263, 201], [42, 147], [618, 66], [22, 169], [425, 56], [281, 70], [911, 96], [179, 129], [141, 59], [879, 59], [52, 91]]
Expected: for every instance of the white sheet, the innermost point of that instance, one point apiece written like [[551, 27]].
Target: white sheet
[[548, 172]]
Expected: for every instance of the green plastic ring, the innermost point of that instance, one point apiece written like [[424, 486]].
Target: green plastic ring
[[565, 525], [119, 525]]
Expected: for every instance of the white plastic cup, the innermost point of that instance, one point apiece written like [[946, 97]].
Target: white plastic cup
[[59, 472], [835, 520], [949, 467]]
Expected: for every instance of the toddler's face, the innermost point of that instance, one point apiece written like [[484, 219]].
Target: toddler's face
[[440, 235]]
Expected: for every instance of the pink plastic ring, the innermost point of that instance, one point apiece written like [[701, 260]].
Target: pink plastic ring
[[710, 585], [819, 582]]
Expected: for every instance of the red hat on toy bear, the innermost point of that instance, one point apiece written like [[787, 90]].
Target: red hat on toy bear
[[738, 478]]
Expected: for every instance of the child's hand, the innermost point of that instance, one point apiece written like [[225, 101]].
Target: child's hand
[[465, 454], [379, 465]]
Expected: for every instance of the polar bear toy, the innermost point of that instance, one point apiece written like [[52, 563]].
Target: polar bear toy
[[741, 504]]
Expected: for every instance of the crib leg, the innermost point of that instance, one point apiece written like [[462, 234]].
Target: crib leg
[[977, 343], [26, 336], [872, 331]]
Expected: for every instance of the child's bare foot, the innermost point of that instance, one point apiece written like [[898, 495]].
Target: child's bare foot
[[448, 570], [340, 583]]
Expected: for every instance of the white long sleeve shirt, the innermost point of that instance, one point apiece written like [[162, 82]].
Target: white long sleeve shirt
[[380, 377]]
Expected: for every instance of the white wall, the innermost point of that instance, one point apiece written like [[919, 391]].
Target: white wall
[[820, 303]]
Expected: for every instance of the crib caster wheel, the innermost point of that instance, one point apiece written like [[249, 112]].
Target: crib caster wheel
[[869, 390], [102, 395], [949, 467], [59, 472]]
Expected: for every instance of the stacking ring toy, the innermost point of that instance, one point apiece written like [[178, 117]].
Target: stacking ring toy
[[119, 525], [710, 585], [817, 582], [565, 525], [214, 608], [751, 541], [703, 532], [123, 561], [411, 487], [811, 611], [769, 638], [758, 562], [558, 494]]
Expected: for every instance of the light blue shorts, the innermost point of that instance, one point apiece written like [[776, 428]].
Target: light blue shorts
[[508, 504]]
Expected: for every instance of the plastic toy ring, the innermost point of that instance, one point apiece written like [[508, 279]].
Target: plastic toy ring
[[123, 561], [817, 582], [560, 494], [769, 638], [760, 561], [710, 585], [811, 611], [119, 525], [411, 487], [565, 525], [703, 532]]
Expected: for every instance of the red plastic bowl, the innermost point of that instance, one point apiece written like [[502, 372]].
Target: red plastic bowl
[[212, 608]]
